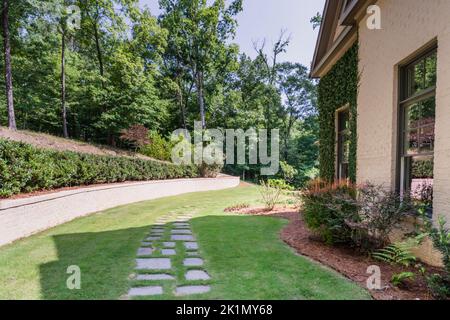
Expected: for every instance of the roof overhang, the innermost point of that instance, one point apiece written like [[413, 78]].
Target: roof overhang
[[346, 15]]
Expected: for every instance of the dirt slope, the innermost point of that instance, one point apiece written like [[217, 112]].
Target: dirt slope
[[46, 141]]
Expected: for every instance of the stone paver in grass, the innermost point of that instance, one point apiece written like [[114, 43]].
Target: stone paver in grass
[[168, 252], [191, 245], [193, 262], [145, 291], [169, 244], [146, 244], [154, 277], [157, 231], [153, 264], [186, 290], [194, 275], [192, 253], [181, 224], [182, 237], [153, 238], [181, 231], [182, 227], [144, 252]]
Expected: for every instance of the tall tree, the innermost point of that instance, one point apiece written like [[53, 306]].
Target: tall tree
[[8, 69], [198, 33], [63, 80], [299, 95]]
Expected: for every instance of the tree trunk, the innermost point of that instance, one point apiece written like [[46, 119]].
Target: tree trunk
[[201, 100], [180, 99], [63, 83], [99, 51], [8, 72], [288, 135]]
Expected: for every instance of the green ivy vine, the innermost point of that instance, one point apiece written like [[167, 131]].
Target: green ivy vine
[[336, 89]]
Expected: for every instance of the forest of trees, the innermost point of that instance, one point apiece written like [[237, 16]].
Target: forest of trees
[[118, 65]]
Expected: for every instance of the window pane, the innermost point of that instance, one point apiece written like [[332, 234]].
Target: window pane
[[412, 142], [426, 139], [420, 179], [413, 116], [343, 121], [431, 70], [427, 111], [419, 127], [417, 77], [421, 75], [343, 144]]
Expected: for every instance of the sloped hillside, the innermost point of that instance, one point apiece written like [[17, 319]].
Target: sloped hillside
[[46, 141]]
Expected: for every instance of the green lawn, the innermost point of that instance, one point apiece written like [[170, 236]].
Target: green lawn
[[243, 254]]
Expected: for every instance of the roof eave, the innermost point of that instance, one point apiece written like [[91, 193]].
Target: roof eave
[[345, 40]]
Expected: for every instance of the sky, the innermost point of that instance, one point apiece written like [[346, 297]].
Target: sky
[[264, 19]]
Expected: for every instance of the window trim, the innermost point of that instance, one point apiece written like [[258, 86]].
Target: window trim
[[404, 101]]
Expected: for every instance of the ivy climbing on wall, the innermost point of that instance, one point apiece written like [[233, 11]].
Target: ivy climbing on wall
[[339, 87]]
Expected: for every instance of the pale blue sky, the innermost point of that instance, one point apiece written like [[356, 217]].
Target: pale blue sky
[[266, 18]]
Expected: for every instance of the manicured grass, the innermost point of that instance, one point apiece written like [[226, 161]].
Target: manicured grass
[[243, 254]]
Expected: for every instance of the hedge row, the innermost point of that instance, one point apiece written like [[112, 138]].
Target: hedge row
[[24, 168]]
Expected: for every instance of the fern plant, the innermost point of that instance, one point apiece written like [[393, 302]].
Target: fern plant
[[397, 253], [399, 279]]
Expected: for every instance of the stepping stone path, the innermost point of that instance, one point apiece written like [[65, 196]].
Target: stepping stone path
[[170, 237]]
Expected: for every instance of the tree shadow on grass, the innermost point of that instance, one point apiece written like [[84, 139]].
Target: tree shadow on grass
[[248, 260], [105, 260]]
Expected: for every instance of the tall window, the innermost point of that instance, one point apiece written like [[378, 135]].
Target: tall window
[[343, 143], [418, 106]]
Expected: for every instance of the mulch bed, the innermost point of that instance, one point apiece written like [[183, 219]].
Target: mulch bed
[[345, 260]]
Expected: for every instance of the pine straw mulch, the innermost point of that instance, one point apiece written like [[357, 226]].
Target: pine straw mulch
[[345, 260]]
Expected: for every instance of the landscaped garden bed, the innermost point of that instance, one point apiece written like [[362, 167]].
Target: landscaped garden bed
[[345, 260]]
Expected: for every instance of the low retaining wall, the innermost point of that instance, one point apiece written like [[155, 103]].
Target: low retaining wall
[[20, 218]]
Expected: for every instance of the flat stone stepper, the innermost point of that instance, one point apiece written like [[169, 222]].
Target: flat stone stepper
[[193, 275], [192, 262], [154, 277], [145, 291], [182, 237], [169, 244], [153, 264], [168, 252], [144, 252], [191, 245], [187, 290], [181, 231]]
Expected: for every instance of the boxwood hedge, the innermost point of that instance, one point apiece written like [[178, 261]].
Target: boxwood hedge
[[24, 168]]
